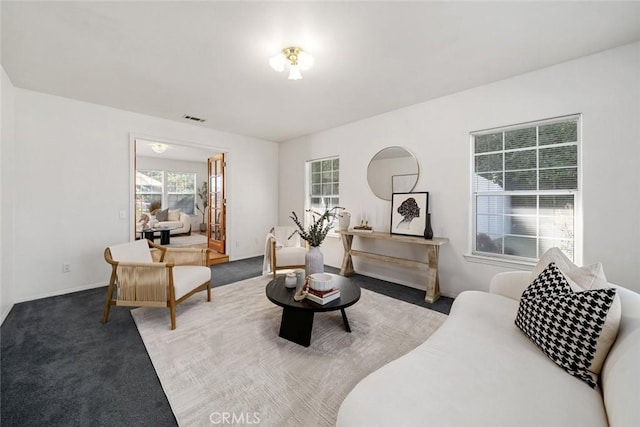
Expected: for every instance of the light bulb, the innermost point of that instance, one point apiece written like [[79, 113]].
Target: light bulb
[[277, 62], [294, 73], [159, 148]]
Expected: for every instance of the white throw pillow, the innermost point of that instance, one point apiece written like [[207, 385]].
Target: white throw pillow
[[587, 277], [174, 215]]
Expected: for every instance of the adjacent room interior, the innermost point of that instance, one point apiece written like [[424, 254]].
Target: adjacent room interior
[[475, 162]]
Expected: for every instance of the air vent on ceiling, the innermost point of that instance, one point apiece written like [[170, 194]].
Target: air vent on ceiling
[[195, 119]]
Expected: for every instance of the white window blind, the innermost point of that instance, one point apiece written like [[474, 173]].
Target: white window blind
[[323, 184], [525, 188], [181, 191], [149, 189]]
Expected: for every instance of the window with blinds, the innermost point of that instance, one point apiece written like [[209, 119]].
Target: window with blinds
[[525, 188], [323, 184], [181, 191], [176, 190], [149, 189]]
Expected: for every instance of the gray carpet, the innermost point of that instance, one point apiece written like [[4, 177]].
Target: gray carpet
[[60, 366]]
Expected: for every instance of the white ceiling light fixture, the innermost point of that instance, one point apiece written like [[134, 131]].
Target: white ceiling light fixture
[[159, 148], [298, 61]]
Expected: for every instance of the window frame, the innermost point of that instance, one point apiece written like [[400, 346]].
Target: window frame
[[502, 259], [309, 193], [165, 193], [168, 193], [160, 193]]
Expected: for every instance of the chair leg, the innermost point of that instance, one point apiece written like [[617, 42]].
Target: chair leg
[[209, 291], [172, 309], [107, 304]]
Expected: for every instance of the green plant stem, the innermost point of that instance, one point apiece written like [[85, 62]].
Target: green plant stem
[[319, 227]]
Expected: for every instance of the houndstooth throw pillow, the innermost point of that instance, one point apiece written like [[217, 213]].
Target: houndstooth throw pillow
[[564, 324]]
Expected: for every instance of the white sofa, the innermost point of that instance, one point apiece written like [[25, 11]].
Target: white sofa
[[176, 218], [479, 369]]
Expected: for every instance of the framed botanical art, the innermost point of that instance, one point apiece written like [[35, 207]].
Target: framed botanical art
[[409, 213]]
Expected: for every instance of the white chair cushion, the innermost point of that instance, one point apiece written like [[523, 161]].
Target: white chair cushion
[[188, 277], [137, 251], [282, 233], [290, 256]]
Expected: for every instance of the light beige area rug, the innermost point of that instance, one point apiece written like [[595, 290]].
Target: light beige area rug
[[182, 240], [225, 359]]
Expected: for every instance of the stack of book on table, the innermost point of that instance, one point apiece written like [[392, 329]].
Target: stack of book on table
[[323, 297]]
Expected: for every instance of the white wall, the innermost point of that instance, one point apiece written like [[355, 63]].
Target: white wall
[[7, 185], [173, 165], [604, 87], [73, 168]]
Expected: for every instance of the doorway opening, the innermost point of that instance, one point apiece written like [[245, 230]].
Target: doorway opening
[[170, 180]]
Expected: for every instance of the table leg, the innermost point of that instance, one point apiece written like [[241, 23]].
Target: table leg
[[164, 237], [433, 283], [347, 261], [345, 320], [296, 326], [148, 235]]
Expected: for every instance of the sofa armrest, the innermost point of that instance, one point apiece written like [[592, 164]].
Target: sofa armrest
[[185, 218], [510, 284]]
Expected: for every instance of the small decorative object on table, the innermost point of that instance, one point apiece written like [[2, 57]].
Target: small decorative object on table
[[344, 220], [290, 281], [323, 297], [320, 226], [300, 278], [428, 231], [302, 292], [320, 282], [321, 288], [364, 224], [144, 220]]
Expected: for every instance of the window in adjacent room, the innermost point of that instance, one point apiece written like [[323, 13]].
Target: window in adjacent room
[[323, 185], [525, 189], [149, 189], [181, 191]]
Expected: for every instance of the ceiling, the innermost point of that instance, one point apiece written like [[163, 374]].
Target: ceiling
[[210, 59], [175, 151]]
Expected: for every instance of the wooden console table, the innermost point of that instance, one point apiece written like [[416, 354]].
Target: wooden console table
[[430, 264]]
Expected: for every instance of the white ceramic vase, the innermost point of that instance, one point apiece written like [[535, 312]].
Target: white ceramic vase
[[343, 222], [314, 261]]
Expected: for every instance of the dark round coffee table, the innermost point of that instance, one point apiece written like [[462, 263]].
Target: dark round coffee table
[[165, 235], [297, 316]]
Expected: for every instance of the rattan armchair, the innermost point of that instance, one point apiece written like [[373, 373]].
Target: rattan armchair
[[286, 250], [144, 274]]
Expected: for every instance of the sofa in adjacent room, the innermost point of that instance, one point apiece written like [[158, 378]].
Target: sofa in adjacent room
[[180, 221], [480, 369]]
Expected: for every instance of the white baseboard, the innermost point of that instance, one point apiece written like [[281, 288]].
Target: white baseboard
[[245, 257], [61, 292], [5, 314]]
